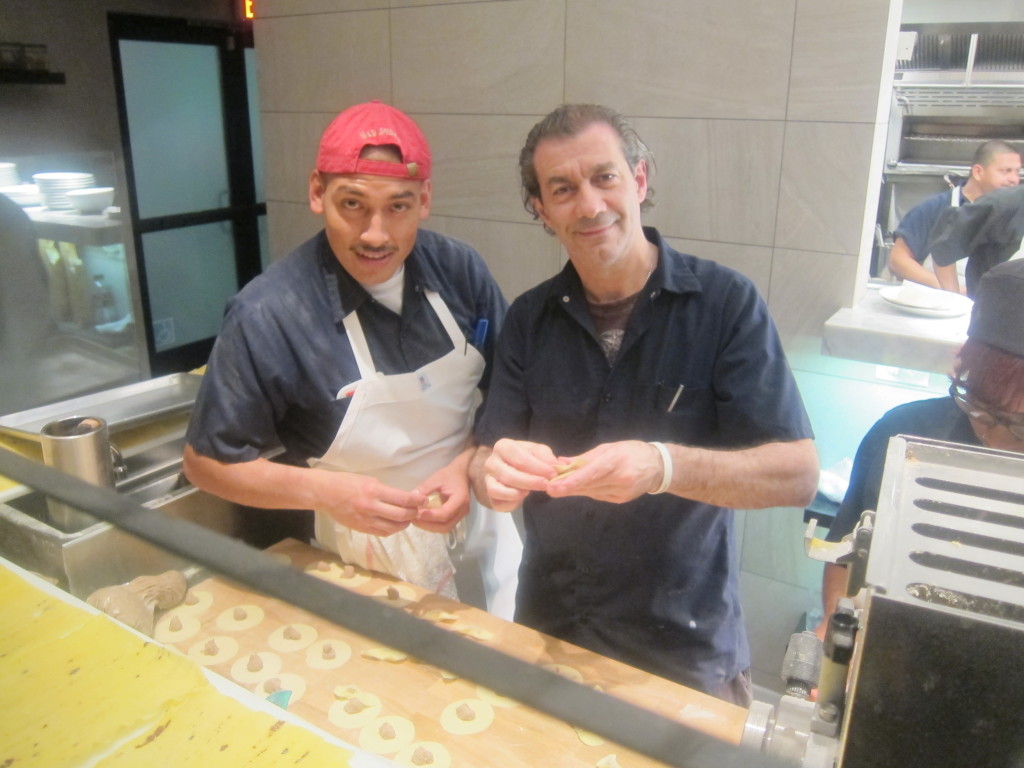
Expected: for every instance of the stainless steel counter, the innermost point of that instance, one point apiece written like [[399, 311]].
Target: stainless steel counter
[[876, 331]]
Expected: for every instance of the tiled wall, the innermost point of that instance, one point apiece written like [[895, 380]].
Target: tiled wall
[[764, 117]]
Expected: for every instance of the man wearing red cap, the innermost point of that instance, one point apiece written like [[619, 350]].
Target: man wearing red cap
[[363, 354]]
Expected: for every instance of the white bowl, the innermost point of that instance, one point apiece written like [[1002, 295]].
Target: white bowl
[[90, 200]]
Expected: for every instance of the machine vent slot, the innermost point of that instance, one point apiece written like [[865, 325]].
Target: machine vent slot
[[992, 573], [990, 543], [969, 513], [964, 601], [963, 489]]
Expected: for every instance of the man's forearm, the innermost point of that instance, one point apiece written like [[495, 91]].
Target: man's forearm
[[258, 483], [948, 278], [903, 264], [771, 475]]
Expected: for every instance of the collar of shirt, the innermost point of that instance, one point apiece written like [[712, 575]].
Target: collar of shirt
[[671, 274], [347, 295]]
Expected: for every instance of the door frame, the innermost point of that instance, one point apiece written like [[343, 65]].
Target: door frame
[[242, 211]]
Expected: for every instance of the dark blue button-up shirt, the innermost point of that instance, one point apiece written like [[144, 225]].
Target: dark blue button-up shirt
[[652, 582], [282, 354]]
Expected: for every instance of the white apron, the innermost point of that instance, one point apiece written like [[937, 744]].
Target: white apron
[[400, 429], [955, 199]]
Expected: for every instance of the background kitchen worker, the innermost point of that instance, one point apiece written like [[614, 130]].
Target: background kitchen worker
[[363, 354], [996, 165], [985, 407], [663, 375], [987, 233]]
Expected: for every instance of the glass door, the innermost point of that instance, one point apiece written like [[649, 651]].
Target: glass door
[[186, 108]]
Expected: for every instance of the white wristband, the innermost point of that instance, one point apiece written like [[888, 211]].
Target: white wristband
[[667, 468]]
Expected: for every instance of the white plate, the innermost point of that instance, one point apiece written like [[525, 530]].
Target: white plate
[[947, 304]]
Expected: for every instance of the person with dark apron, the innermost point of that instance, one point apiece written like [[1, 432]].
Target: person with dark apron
[[363, 354]]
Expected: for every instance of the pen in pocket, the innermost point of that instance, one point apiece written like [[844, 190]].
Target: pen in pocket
[[479, 334], [675, 399]]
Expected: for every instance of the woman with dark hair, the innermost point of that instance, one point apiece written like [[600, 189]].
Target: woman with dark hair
[[985, 406]]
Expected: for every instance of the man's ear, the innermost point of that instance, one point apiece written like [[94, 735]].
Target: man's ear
[[977, 171], [316, 192], [426, 194], [538, 206], [640, 175]]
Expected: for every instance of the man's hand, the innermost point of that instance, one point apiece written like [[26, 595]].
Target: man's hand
[[615, 472], [365, 504], [504, 475], [446, 494]]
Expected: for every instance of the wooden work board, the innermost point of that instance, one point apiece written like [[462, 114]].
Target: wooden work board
[[269, 646]]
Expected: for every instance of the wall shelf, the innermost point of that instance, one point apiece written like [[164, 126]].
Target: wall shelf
[[31, 77]]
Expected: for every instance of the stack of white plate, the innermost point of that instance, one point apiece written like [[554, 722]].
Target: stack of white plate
[[8, 174], [25, 195], [52, 186]]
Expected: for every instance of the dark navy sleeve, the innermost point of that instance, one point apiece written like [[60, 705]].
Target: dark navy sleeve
[[233, 418], [757, 398], [865, 479], [506, 411], [916, 226]]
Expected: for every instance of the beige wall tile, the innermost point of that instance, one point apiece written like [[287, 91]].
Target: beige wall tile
[[715, 179], [807, 288], [772, 611], [823, 194], [773, 547], [838, 60], [296, 74], [497, 58], [476, 164], [519, 255], [266, 9], [755, 262], [290, 225], [290, 142], [681, 58]]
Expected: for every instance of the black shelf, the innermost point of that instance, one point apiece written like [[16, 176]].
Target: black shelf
[[31, 77]]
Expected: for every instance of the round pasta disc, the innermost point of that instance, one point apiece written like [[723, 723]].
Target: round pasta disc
[[291, 637], [424, 754], [345, 575], [213, 650], [286, 681], [266, 665], [396, 595], [354, 708], [467, 716], [495, 699], [387, 735], [328, 654], [196, 601], [175, 627], [240, 618]]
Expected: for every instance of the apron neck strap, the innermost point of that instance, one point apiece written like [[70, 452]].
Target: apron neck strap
[[361, 350]]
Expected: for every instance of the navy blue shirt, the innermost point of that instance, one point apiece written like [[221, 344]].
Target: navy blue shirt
[[937, 419], [282, 354], [653, 582], [917, 225]]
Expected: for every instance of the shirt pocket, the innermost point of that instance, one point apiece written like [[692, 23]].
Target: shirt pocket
[[687, 415]]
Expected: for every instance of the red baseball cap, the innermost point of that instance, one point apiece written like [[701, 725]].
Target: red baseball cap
[[373, 124]]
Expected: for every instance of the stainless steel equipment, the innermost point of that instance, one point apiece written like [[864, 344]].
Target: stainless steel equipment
[[927, 672], [79, 446], [955, 86], [83, 554]]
